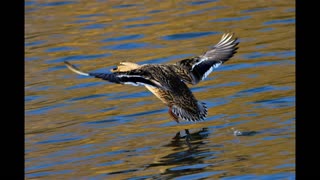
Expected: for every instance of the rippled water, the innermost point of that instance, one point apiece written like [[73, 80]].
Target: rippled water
[[84, 128]]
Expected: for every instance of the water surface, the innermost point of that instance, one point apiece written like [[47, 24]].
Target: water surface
[[84, 128]]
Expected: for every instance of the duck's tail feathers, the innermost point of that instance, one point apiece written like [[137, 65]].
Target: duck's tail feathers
[[187, 114]]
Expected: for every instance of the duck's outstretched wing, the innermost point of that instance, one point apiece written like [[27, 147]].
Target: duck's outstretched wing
[[195, 69], [132, 77]]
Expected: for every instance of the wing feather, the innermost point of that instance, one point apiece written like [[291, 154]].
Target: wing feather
[[195, 69], [132, 77]]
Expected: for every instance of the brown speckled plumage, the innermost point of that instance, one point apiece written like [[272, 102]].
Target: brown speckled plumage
[[167, 81]]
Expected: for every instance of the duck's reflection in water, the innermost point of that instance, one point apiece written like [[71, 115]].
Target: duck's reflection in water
[[185, 157]]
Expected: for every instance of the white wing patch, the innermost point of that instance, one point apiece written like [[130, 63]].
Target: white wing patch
[[136, 84], [217, 64], [125, 75], [207, 73], [201, 60], [210, 70], [140, 83]]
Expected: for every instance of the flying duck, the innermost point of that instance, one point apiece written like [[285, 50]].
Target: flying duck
[[168, 81]]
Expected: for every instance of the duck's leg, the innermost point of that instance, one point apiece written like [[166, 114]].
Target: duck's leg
[[188, 138]]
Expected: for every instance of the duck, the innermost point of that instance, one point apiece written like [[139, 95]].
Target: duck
[[168, 82]]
